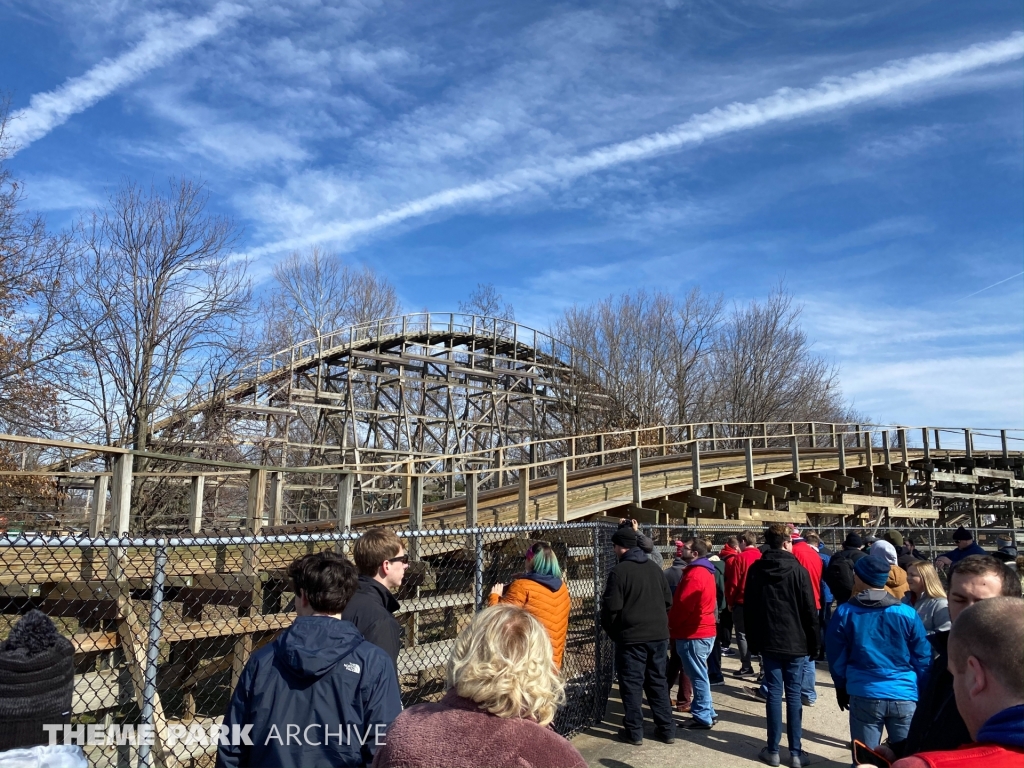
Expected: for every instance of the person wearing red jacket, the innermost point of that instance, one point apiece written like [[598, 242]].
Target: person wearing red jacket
[[692, 627], [729, 550], [735, 580], [809, 558]]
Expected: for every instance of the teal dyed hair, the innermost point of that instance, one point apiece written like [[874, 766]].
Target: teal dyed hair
[[542, 560]]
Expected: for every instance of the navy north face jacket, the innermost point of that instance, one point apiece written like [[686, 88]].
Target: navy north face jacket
[[338, 692]]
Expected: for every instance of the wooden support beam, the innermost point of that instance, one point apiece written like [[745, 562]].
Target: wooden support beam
[[748, 461], [869, 501], [524, 495], [726, 497], [695, 467], [776, 491], [120, 511], [346, 489], [795, 485], [795, 448], [134, 637], [562, 506], [642, 514], [672, 508], [755, 495], [415, 514], [828, 486], [894, 475], [841, 448], [705, 503], [98, 507], [844, 480], [277, 498], [815, 508], [635, 457], [195, 503]]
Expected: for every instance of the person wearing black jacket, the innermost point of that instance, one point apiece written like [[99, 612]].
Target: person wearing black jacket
[[634, 613], [382, 562], [839, 573], [319, 695], [781, 617]]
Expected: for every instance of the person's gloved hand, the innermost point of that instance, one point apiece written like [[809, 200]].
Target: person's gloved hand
[[842, 697]]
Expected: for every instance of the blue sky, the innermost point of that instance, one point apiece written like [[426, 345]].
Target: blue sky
[[867, 153]]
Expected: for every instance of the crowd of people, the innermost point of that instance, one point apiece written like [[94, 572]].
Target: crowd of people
[[876, 611], [927, 656]]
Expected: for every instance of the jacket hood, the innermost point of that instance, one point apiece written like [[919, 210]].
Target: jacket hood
[[704, 562], [897, 577], [314, 644], [874, 598], [777, 565], [679, 562], [727, 552], [634, 555], [551, 582], [1005, 728], [369, 586]]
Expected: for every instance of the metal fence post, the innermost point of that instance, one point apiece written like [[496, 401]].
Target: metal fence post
[[152, 651], [598, 688], [478, 575]]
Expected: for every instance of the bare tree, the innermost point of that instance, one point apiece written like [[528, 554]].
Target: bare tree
[[157, 301], [486, 301], [647, 351], [316, 293], [763, 368], [32, 263]]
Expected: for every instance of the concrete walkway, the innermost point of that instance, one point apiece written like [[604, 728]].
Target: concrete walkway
[[735, 741]]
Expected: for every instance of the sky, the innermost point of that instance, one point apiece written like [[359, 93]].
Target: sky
[[867, 154]]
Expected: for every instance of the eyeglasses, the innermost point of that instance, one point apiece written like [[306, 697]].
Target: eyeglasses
[[402, 559]]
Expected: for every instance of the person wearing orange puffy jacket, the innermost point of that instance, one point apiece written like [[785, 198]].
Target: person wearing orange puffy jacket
[[542, 593]]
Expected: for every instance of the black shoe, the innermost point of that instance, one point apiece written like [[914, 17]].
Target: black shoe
[[729, 652], [666, 739], [699, 725], [745, 671], [626, 738]]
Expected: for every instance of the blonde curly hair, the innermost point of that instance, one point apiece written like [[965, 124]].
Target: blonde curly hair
[[503, 662]]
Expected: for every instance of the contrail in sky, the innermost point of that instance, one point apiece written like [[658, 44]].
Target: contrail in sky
[[46, 111], [1005, 280], [829, 95]]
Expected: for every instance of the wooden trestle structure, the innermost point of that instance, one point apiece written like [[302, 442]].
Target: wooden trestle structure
[[483, 433]]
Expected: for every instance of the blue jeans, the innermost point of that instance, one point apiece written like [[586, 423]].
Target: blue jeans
[[808, 680], [867, 716], [779, 674], [694, 654]]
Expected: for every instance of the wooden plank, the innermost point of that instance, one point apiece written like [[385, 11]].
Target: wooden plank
[[885, 473], [797, 486], [672, 508], [95, 691], [917, 512], [777, 491], [94, 642], [642, 514], [844, 480], [726, 497], [227, 627], [769, 516], [829, 486], [1001, 474], [999, 497], [705, 503], [755, 495], [816, 508], [869, 501], [954, 477]]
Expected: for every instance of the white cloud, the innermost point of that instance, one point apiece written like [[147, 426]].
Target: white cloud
[[893, 79], [48, 110]]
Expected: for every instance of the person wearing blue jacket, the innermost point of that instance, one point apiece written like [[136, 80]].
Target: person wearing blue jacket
[[965, 547], [320, 695], [878, 656]]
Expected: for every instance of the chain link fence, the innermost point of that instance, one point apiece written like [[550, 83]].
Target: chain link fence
[[162, 628]]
